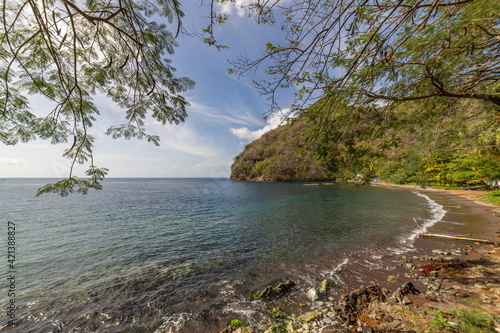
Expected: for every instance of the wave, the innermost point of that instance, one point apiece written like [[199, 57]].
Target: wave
[[437, 214]]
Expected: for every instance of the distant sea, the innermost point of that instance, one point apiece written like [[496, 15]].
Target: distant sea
[[145, 253]]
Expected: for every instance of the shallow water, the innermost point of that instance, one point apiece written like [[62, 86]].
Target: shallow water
[[145, 250]]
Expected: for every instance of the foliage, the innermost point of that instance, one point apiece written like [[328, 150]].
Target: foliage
[[473, 321], [365, 51], [409, 143], [494, 194], [493, 197], [463, 321], [279, 313], [68, 52], [235, 323], [440, 322], [282, 154], [376, 76]]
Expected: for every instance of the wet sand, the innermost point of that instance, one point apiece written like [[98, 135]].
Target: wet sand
[[467, 214]]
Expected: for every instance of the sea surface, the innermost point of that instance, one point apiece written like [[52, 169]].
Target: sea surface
[[154, 254]]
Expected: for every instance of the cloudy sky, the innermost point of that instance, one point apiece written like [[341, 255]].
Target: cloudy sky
[[226, 113]]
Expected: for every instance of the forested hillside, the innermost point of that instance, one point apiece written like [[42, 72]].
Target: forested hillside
[[438, 141], [282, 154]]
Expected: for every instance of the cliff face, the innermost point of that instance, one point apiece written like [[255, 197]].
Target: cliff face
[[279, 155]]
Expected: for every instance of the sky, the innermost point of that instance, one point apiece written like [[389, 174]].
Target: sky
[[225, 114]]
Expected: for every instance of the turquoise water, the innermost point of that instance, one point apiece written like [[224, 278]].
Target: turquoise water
[[141, 249]]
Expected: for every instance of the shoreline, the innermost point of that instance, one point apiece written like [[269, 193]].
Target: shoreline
[[463, 278]]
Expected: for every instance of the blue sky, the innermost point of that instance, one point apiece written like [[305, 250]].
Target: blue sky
[[225, 114]]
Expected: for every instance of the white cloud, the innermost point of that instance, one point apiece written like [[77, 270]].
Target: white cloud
[[243, 133], [243, 117], [185, 139], [11, 161], [242, 6], [182, 138], [238, 5]]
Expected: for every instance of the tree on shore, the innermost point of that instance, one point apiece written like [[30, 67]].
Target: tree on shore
[[68, 51]]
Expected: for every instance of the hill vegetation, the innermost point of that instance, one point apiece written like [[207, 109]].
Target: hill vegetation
[[282, 154], [440, 141]]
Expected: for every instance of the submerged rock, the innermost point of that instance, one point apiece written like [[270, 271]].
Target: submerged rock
[[312, 294], [282, 287]]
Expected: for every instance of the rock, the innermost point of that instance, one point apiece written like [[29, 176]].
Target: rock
[[435, 285], [319, 304], [323, 286], [230, 329], [310, 316], [388, 318], [406, 301], [394, 325], [331, 315], [364, 329], [404, 290], [391, 278], [267, 293], [335, 329], [409, 266], [437, 251], [312, 294], [350, 305], [283, 287]]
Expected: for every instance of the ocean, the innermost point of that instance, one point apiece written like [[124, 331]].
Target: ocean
[[145, 255]]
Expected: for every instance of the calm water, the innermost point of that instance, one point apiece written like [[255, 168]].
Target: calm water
[[145, 250]]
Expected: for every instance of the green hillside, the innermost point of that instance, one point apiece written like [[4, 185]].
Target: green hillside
[[435, 141], [282, 154]]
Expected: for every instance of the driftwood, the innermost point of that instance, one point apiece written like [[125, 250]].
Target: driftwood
[[460, 238], [454, 237]]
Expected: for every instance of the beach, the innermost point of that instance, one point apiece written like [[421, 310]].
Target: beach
[[430, 288]]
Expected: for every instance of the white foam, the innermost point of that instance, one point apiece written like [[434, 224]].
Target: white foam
[[334, 274], [437, 213], [173, 323]]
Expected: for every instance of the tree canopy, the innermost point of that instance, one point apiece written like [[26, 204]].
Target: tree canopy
[[345, 58], [68, 51], [370, 50]]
